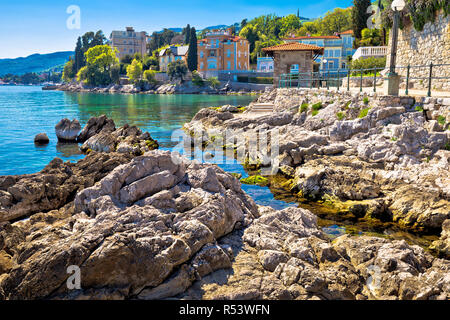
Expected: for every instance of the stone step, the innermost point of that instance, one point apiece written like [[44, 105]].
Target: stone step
[[263, 107]]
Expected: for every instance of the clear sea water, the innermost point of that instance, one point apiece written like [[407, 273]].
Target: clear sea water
[[27, 110]]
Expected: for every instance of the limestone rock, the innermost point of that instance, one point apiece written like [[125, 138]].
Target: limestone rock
[[67, 131]]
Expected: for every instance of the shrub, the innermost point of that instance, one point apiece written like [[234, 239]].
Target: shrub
[[314, 113], [340, 116], [363, 113], [213, 82], [304, 107], [149, 75], [317, 106], [418, 108], [197, 80], [134, 71], [366, 100], [368, 63], [441, 120]]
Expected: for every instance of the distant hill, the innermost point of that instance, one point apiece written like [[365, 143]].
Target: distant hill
[[35, 63]]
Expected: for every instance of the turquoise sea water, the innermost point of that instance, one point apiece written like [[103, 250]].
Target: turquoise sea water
[[27, 111]]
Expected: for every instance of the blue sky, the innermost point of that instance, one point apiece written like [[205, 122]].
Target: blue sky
[[30, 26]]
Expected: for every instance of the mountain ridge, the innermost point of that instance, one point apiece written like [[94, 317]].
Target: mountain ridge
[[35, 62]]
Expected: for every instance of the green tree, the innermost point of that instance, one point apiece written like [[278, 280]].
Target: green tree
[[150, 62], [114, 73], [370, 37], [197, 80], [149, 75], [360, 16], [99, 61], [69, 71], [79, 56], [177, 70], [289, 24], [213, 82], [134, 71], [338, 20], [192, 59], [187, 34], [126, 59]]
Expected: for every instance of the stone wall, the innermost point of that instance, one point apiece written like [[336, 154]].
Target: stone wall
[[432, 44], [283, 60]]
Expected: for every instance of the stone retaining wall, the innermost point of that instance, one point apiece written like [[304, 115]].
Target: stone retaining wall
[[431, 45]]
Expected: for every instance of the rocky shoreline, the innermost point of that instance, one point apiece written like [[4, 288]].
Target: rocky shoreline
[[150, 224], [168, 88], [368, 157]]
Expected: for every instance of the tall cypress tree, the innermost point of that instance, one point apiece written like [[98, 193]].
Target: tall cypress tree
[[187, 34], [79, 56], [192, 61], [360, 16]]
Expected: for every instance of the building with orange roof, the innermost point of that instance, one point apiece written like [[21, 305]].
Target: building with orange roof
[[336, 49], [220, 51], [293, 53]]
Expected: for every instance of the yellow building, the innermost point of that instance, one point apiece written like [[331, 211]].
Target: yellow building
[[171, 54], [129, 42]]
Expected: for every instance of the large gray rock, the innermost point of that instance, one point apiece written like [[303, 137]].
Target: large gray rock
[[67, 131], [129, 235], [96, 125]]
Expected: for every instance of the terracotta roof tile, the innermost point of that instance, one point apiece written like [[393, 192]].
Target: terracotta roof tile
[[294, 46], [313, 37], [347, 32]]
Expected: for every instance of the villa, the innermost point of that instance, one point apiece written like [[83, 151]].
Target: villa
[[171, 54], [129, 42], [337, 48], [220, 51]]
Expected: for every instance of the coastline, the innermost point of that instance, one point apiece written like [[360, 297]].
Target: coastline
[[204, 226], [186, 88]]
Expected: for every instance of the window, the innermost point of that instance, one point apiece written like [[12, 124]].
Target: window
[[202, 65], [201, 54], [212, 65], [228, 65], [337, 53], [228, 53]]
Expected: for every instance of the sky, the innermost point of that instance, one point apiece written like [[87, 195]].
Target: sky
[[32, 26]]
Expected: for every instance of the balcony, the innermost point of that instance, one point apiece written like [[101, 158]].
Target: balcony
[[366, 52]]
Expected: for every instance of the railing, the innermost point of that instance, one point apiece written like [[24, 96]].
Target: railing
[[341, 78], [370, 52]]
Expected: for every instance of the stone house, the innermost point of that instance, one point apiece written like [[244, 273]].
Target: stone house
[[294, 53]]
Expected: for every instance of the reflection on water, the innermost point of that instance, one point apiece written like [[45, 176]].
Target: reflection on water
[[68, 150]]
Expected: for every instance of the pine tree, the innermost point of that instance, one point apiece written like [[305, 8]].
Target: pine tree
[[298, 13], [192, 61], [79, 56], [360, 16], [187, 34]]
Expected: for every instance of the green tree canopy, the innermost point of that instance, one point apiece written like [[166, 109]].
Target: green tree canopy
[[134, 71], [177, 70], [192, 61], [360, 16], [99, 61]]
